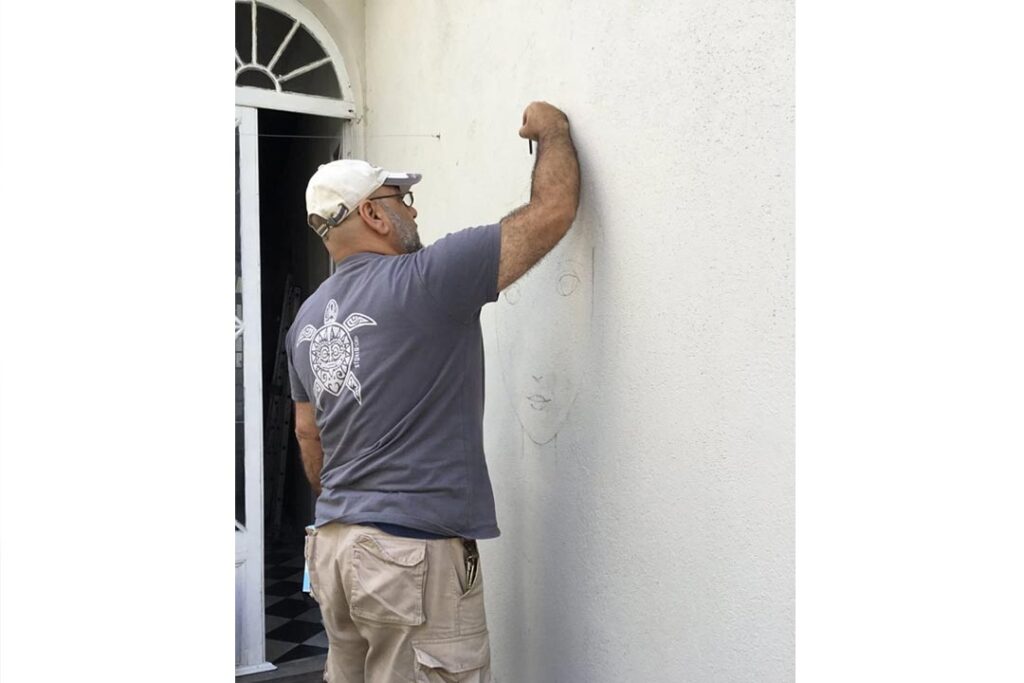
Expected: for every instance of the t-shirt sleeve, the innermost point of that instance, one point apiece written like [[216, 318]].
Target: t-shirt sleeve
[[298, 391], [460, 270]]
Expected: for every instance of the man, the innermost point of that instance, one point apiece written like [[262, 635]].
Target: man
[[387, 374]]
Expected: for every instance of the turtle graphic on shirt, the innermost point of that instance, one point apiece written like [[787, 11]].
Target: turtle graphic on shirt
[[331, 352]]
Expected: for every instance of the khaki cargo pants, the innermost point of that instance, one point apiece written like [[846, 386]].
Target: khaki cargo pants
[[397, 609]]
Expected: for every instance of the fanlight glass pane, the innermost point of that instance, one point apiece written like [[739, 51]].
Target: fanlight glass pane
[[272, 29], [243, 31], [239, 360], [302, 50], [256, 79]]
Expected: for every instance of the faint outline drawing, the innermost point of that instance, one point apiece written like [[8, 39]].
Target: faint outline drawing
[[542, 324]]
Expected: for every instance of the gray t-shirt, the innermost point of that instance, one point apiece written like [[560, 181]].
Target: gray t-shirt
[[390, 352]]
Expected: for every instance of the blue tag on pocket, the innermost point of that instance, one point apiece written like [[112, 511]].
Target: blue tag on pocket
[[310, 530]]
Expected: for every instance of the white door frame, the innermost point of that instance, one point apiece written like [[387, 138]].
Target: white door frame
[[250, 643]]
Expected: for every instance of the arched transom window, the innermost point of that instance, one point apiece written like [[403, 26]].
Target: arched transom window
[[284, 59]]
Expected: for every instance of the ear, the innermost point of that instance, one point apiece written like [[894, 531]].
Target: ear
[[373, 218]]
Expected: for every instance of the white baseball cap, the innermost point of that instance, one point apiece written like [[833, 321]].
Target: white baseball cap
[[338, 188]]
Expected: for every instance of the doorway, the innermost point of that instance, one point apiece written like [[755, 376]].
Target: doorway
[[293, 263]]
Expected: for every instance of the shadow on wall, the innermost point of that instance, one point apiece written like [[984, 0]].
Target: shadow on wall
[[544, 331]]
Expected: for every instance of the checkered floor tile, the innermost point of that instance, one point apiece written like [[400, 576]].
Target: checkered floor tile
[[293, 622]]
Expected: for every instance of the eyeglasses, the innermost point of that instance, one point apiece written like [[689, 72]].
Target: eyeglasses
[[402, 195], [321, 225]]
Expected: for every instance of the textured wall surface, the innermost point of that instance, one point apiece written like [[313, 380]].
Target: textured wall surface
[[651, 539]]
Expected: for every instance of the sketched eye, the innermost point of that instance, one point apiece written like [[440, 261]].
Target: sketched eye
[[568, 283], [512, 294]]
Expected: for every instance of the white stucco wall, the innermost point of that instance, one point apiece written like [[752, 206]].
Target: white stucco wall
[[652, 539]]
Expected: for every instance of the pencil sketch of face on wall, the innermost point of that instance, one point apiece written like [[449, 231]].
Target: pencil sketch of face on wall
[[543, 327]]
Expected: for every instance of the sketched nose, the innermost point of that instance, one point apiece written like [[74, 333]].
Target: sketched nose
[[536, 378]]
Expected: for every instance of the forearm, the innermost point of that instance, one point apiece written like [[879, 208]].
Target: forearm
[[312, 461], [555, 189]]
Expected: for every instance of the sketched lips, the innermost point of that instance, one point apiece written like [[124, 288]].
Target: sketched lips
[[538, 401]]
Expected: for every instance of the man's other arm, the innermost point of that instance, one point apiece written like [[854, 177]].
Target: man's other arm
[[532, 230], [309, 443]]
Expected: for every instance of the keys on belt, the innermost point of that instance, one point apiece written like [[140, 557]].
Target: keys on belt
[[472, 561]]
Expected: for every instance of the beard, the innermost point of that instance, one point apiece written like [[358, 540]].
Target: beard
[[406, 231]]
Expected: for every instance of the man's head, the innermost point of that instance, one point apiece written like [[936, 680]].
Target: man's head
[[354, 206]]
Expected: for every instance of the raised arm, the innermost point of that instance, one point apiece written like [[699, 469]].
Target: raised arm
[[534, 229]]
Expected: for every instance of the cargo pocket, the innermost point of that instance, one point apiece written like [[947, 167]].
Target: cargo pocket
[[462, 660], [309, 552], [472, 617], [389, 580]]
